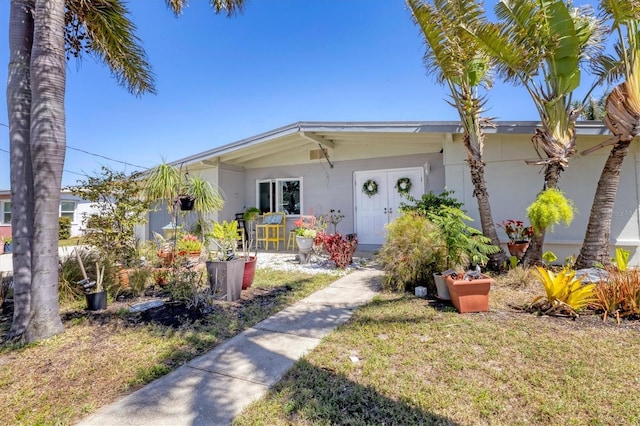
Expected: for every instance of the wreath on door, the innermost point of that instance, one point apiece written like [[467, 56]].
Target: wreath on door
[[370, 188], [403, 185]]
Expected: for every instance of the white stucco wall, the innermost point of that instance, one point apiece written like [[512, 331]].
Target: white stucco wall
[[513, 185]]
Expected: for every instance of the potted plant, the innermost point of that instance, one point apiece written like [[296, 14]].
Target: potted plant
[[224, 269], [189, 245], [469, 292], [519, 236], [8, 245], [305, 237], [250, 217], [462, 243]]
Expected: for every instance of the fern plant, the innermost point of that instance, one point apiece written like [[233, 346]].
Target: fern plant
[[564, 292], [463, 244]]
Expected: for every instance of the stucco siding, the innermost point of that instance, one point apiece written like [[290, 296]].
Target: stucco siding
[[326, 188], [513, 185]]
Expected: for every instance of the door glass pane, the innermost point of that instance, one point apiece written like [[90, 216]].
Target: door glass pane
[[264, 197], [289, 201]]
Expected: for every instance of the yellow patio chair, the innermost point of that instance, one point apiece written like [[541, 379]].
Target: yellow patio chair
[[272, 230]]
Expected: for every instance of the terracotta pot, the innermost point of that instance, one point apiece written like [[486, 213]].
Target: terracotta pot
[[249, 272], [470, 296], [518, 249], [123, 278]]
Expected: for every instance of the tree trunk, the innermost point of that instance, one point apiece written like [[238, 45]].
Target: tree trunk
[[19, 111], [595, 248], [623, 119], [48, 73], [496, 260]]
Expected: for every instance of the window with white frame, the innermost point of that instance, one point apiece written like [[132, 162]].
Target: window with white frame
[[67, 209], [279, 195], [6, 212]]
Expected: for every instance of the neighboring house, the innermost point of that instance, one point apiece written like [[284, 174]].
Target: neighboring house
[[70, 206], [312, 167]]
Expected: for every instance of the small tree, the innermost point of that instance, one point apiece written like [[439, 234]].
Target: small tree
[[119, 208]]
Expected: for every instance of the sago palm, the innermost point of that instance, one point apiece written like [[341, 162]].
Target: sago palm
[[455, 60], [539, 45], [622, 109]]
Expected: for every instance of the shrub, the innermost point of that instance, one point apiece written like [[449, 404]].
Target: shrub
[[340, 249], [70, 273], [463, 244], [550, 208], [619, 294], [565, 294], [411, 253], [139, 278], [64, 228], [430, 203]]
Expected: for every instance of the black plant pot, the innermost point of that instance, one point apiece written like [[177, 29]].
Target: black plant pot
[[186, 202], [97, 301]]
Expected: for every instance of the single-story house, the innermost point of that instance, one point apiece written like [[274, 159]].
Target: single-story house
[[71, 206], [312, 167]]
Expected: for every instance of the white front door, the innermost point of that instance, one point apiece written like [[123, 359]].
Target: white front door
[[373, 212]]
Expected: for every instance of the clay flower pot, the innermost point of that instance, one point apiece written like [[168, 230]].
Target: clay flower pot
[[518, 248], [470, 295]]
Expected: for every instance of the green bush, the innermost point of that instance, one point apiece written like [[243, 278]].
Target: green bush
[[64, 228], [550, 208], [411, 253], [70, 273], [430, 203]]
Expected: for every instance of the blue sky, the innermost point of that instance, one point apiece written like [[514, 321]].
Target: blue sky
[[223, 79]]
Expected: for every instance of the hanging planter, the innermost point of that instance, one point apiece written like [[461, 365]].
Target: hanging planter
[[403, 185], [186, 202], [370, 188]]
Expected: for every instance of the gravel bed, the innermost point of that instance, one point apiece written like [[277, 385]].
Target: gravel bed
[[318, 264]]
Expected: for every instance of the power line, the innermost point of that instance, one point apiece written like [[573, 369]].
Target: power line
[[107, 158]]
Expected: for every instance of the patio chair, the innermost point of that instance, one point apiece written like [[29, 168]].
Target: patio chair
[[272, 230]]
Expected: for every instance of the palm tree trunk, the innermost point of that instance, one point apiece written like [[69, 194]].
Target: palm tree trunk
[[48, 74], [476, 167], [19, 111], [595, 248]]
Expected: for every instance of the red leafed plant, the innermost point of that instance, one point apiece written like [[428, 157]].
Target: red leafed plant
[[340, 249]]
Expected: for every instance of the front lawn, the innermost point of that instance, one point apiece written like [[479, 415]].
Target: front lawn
[[103, 355], [409, 361]]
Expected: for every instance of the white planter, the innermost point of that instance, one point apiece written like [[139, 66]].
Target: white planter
[[441, 287]]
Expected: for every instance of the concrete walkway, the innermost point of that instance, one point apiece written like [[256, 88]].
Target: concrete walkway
[[216, 387]]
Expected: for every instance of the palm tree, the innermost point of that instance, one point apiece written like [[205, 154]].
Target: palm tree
[[455, 59], [622, 108], [39, 32], [539, 44]]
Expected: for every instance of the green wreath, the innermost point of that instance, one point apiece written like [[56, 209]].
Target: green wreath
[[370, 188], [403, 185]]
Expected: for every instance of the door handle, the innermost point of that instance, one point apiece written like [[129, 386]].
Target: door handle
[[385, 210], [390, 210]]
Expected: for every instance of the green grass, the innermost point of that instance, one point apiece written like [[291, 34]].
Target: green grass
[[418, 365]]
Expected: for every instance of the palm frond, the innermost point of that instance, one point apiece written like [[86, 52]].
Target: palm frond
[[231, 7], [110, 36]]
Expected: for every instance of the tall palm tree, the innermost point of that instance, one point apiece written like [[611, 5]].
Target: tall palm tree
[[539, 44], [622, 109], [39, 32], [455, 59]]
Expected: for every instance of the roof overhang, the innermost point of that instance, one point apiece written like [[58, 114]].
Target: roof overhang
[[303, 136]]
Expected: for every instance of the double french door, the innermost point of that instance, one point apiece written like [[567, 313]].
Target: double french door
[[374, 211]]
